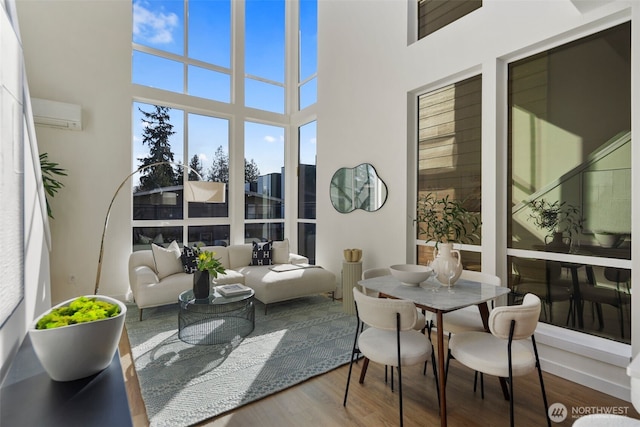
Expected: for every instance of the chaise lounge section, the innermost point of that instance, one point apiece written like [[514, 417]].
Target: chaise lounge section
[[156, 275]]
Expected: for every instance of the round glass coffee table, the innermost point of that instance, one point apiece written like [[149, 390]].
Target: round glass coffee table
[[215, 320]]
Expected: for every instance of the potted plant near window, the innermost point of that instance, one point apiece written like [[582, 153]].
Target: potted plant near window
[[562, 221], [446, 221]]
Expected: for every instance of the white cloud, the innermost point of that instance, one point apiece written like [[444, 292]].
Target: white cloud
[[312, 141], [151, 26], [269, 138], [203, 157]]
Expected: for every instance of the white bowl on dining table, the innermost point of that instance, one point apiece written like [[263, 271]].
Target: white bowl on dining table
[[410, 274]]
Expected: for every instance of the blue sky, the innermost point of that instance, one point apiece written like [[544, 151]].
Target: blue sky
[[160, 24]]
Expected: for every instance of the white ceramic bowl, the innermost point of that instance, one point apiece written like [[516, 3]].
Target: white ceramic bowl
[[410, 274], [76, 351], [608, 240]]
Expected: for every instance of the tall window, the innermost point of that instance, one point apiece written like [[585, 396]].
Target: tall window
[[183, 59], [307, 190], [208, 153], [308, 60], [264, 183], [570, 174], [200, 67], [264, 55], [449, 151]]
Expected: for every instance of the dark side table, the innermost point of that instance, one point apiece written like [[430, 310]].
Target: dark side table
[[30, 398], [216, 319]]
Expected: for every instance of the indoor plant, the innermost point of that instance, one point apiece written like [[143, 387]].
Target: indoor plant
[[208, 267], [78, 350], [51, 184], [445, 221], [561, 221]]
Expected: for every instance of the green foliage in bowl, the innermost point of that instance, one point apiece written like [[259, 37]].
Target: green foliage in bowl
[[80, 310]]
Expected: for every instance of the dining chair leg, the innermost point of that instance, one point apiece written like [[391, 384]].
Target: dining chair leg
[[513, 325], [435, 374], [365, 365], [354, 355], [346, 390], [446, 366], [399, 368], [544, 394], [391, 379]]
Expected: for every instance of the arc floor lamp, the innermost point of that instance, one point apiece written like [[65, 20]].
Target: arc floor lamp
[[193, 191]]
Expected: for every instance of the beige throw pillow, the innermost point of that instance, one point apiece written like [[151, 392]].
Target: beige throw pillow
[[280, 251], [167, 260]]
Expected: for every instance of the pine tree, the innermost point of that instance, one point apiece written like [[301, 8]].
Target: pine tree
[[219, 170], [157, 130], [195, 168], [251, 171]]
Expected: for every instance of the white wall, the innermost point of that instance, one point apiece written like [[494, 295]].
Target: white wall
[[31, 265], [80, 53], [362, 118], [367, 76]]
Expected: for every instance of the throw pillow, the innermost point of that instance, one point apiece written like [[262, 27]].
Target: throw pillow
[[280, 253], [167, 260], [189, 257], [261, 253]]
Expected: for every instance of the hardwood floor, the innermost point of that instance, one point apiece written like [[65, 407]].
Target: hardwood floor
[[318, 401]]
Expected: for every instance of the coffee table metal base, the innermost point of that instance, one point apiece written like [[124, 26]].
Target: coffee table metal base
[[201, 322]]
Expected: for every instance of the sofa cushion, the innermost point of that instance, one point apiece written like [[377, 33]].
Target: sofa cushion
[[272, 286], [167, 261], [280, 251], [261, 253], [230, 277], [239, 255], [189, 257], [220, 253]]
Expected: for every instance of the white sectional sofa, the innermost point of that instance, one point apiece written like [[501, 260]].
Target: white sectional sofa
[[158, 280]]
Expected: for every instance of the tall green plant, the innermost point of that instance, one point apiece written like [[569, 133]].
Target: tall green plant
[[445, 220], [556, 217], [50, 170]]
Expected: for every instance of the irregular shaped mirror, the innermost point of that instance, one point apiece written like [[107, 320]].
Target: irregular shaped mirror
[[357, 188]]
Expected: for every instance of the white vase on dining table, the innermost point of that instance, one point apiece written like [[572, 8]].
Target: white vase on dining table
[[443, 255]]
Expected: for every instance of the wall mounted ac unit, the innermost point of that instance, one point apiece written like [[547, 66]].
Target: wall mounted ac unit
[[56, 114]]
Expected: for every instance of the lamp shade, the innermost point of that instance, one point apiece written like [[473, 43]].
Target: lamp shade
[[204, 191]]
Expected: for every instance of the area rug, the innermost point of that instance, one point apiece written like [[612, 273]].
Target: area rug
[[183, 384]]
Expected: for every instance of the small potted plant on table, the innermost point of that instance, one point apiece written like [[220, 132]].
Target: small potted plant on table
[[446, 221]]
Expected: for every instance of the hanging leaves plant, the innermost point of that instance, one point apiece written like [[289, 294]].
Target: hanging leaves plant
[[50, 170]]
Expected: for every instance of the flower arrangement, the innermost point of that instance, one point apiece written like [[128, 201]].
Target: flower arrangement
[[445, 220], [80, 310], [556, 217], [206, 261]]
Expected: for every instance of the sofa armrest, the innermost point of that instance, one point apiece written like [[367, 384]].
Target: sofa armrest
[[298, 259], [145, 275]]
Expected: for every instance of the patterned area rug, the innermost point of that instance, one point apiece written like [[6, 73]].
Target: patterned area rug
[[184, 384]]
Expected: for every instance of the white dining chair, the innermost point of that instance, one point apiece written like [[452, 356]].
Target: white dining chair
[[504, 352], [422, 324], [424, 318], [390, 337], [467, 319]]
